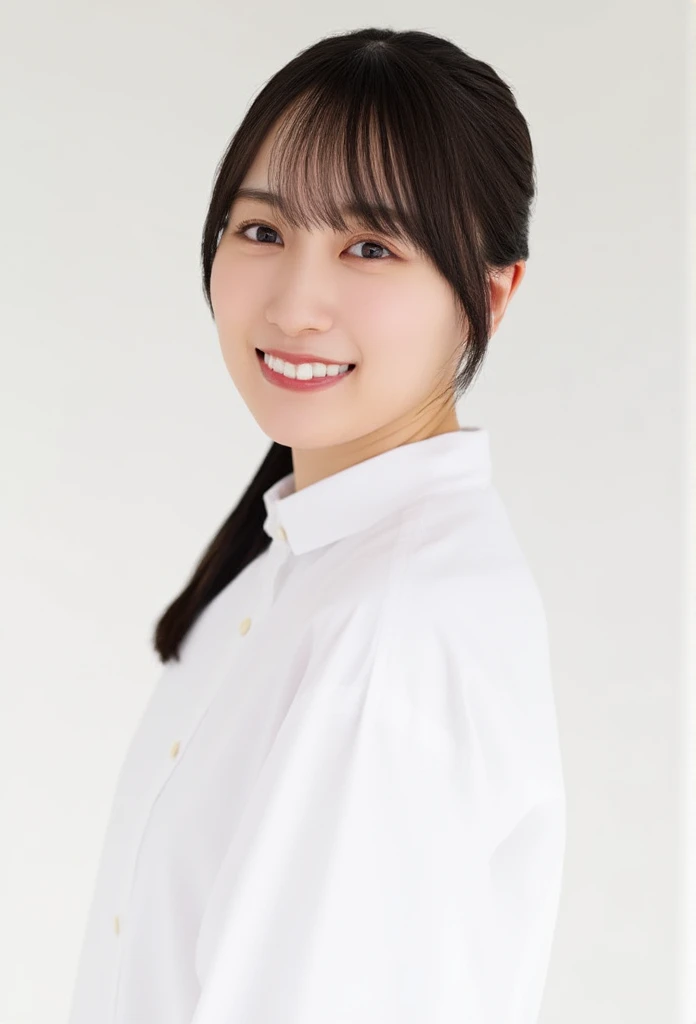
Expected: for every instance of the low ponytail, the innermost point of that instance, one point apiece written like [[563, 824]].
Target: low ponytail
[[240, 539]]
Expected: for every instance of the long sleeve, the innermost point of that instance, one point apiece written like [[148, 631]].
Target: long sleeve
[[357, 889], [526, 875]]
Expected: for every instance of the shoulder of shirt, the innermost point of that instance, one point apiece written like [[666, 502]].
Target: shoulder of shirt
[[442, 593], [444, 585], [449, 560]]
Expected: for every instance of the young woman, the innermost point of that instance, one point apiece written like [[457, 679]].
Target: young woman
[[344, 803]]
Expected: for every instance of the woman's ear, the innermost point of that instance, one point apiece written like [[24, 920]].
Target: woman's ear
[[503, 285]]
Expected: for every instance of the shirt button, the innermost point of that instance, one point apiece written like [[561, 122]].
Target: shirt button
[[281, 534], [175, 749], [244, 626], [117, 925]]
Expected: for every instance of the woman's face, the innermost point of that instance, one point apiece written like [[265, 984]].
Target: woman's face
[[379, 305]]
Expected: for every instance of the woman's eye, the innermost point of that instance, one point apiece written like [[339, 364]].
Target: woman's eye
[[244, 228], [374, 245]]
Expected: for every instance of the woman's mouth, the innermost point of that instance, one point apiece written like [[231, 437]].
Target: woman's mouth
[[299, 384]]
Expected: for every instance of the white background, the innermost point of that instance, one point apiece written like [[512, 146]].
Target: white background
[[125, 444]]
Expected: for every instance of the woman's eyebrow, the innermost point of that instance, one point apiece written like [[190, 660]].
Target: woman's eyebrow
[[276, 200]]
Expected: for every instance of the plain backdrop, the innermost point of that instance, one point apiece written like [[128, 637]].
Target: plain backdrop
[[125, 443]]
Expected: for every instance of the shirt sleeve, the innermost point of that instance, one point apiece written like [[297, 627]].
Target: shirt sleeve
[[358, 886], [526, 875]]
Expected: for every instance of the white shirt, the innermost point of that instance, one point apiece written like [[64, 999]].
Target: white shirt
[[345, 804]]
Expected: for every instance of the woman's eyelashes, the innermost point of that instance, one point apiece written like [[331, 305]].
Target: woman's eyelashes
[[244, 227]]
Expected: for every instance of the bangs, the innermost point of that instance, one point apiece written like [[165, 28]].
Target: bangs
[[340, 164]]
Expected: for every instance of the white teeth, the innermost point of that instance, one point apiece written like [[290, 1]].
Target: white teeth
[[304, 371]]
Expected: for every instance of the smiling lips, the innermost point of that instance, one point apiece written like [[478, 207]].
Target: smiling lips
[[310, 383]]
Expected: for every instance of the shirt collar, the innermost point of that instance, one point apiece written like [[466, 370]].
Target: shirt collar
[[356, 498]]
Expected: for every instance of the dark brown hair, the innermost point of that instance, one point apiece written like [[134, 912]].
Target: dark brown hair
[[427, 144]]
